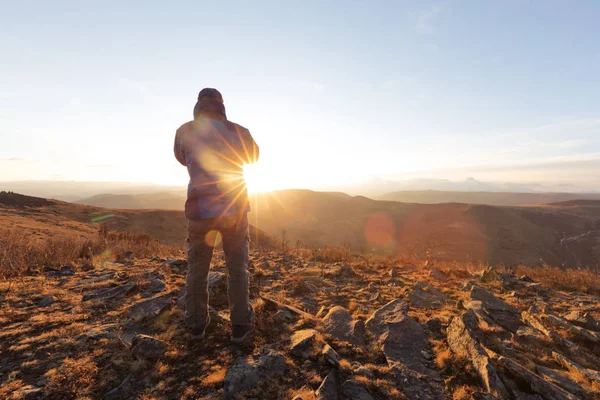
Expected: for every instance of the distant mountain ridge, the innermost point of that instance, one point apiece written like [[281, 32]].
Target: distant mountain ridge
[[487, 198]]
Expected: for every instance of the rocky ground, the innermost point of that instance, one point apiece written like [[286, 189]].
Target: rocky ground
[[361, 329]]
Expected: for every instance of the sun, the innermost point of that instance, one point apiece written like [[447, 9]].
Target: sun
[[258, 179]]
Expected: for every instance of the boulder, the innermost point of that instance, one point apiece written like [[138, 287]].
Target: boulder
[[499, 311], [157, 285], [424, 295], [328, 389], [339, 323], [403, 342], [247, 372], [283, 316], [302, 343], [150, 308], [438, 274], [123, 391], [106, 294], [46, 301], [583, 319], [146, 347], [561, 379], [353, 390], [544, 388], [331, 356], [463, 339]]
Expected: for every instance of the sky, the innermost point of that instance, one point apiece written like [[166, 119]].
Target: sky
[[335, 93]]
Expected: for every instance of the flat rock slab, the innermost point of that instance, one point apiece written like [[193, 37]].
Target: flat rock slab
[[404, 343], [331, 356], [247, 372], [328, 389], [463, 338], [302, 343], [339, 323], [539, 385], [561, 379], [146, 347], [106, 331], [150, 308], [424, 295], [109, 293], [499, 311], [353, 390], [584, 319]]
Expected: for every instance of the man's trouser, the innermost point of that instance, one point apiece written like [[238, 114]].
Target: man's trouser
[[201, 240]]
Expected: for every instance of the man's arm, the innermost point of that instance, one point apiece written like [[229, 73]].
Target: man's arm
[[178, 148]]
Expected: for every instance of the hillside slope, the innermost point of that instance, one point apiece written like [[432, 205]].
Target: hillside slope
[[52, 218], [449, 231]]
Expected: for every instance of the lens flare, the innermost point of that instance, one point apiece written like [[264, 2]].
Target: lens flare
[[212, 238], [379, 229]]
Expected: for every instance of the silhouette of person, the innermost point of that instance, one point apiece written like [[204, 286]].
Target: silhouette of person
[[214, 150]]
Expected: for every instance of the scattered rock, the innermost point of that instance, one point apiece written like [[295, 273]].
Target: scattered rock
[[526, 278], [500, 312], [123, 391], [109, 293], [247, 372], [402, 340], [572, 366], [464, 338], [330, 355], [488, 275], [283, 316], [46, 301], [438, 274], [309, 304], [215, 279], [434, 325], [321, 312], [156, 285], [546, 389], [424, 295], [106, 331], [353, 390], [302, 343], [310, 287], [363, 371], [328, 389], [150, 308], [339, 323], [583, 319], [347, 271], [374, 296], [582, 333], [561, 379], [146, 347]]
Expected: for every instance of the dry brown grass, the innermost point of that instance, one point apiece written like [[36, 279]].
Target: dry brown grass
[[582, 280], [20, 251]]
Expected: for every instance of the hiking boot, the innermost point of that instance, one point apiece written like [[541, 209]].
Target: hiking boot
[[199, 332], [242, 334]]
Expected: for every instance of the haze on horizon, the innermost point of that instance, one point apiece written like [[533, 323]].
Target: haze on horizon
[[336, 95]]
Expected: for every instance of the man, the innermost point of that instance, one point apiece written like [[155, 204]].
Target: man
[[214, 150]]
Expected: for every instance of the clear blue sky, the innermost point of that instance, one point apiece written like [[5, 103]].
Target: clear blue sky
[[334, 92]]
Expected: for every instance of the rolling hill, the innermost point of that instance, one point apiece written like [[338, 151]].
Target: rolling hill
[[53, 218], [531, 235]]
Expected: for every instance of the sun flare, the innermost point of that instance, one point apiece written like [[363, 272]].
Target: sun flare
[[259, 179]]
